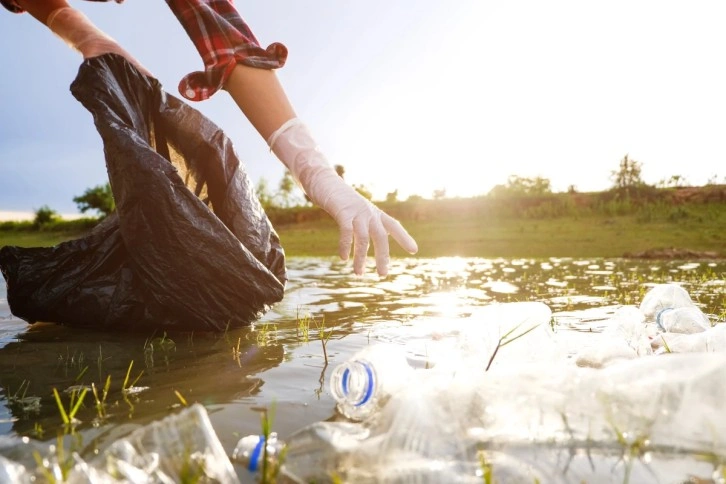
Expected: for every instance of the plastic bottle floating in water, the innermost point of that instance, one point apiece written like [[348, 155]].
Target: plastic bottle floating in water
[[250, 450], [664, 296], [362, 384], [683, 320]]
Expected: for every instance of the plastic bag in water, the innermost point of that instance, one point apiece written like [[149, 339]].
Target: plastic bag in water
[[189, 247], [182, 447]]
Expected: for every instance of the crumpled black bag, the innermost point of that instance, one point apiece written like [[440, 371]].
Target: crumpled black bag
[[189, 246]]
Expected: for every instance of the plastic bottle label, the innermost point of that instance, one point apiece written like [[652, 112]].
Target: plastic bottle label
[[256, 454], [368, 388], [658, 316]]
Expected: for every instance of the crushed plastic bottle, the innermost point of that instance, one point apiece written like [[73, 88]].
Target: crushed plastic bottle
[[626, 337], [689, 319], [168, 451], [662, 297], [712, 340], [363, 384]]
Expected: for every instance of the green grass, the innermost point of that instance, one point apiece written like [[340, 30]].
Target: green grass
[[593, 236], [35, 238], [464, 228]]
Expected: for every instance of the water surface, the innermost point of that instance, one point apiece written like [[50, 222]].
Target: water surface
[[280, 361]]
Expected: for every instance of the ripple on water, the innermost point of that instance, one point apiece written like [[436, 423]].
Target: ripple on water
[[501, 287]]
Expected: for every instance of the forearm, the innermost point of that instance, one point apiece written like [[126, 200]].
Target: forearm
[[260, 96], [76, 30], [40, 9]]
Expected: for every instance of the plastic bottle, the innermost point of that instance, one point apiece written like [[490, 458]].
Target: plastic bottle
[[250, 450], [312, 454], [688, 319], [363, 384], [664, 296]]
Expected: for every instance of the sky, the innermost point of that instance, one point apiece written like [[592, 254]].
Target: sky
[[409, 96]]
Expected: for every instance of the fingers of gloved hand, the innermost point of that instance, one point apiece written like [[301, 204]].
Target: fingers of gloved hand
[[361, 239], [399, 233], [379, 237], [346, 240]]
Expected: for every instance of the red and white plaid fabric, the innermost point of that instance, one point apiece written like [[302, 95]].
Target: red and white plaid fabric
[[222, 39]]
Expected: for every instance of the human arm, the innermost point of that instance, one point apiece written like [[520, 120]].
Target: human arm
[[234, 60], [40, 9], [75, 29], [260, 96]]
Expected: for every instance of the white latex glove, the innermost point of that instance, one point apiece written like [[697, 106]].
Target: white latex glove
[[76, 30], [359, 221]]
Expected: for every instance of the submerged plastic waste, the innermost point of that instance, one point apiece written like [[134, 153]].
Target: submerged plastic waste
[[189, 247], [647, 418], [540, 418], [663, 297], [182, 447], [688, 319]]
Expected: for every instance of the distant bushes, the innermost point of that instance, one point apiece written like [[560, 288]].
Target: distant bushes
[[647, 204], [51, 225]]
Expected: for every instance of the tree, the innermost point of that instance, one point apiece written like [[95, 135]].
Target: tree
[[674, 181], [518, 186], [263, 194], [439, 193], [44, 215], [628, 174], [286, 193], [392, 196], [99, 198]]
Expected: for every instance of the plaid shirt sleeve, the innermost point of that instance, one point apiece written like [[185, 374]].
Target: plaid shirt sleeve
[[223, 40], [13, 6]]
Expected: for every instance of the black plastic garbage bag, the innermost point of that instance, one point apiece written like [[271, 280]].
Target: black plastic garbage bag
[[189, 247]]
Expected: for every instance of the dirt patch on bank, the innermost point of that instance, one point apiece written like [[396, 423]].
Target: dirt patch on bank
[[673, 253]]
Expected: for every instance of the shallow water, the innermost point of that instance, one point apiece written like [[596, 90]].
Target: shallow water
[[277, 362]]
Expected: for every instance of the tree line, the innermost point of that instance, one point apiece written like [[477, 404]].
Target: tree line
[[627, 177]]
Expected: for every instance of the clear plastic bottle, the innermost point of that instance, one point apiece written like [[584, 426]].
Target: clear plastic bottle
[[362, 385], [250, 450], [664, 296], [313, 454], [689, 319]]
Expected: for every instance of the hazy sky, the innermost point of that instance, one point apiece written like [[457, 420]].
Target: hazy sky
[[415, 96]]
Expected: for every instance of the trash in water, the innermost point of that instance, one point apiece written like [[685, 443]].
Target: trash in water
[[647, 417]]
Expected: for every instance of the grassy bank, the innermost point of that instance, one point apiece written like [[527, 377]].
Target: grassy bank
[[559, 225], [597, 236]]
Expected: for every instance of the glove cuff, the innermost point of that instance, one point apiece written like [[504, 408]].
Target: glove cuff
[[294, 145]]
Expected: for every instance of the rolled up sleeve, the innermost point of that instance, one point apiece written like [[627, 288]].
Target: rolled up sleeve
[[223, 40]]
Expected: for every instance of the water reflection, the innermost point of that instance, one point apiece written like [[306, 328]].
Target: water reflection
[[280, 361]]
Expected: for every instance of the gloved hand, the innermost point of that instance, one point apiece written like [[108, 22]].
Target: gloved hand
[[76, 30], [358, 219]]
